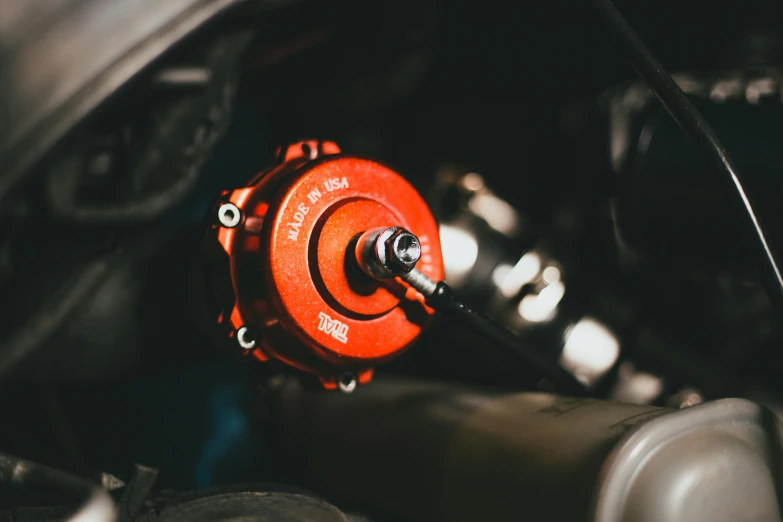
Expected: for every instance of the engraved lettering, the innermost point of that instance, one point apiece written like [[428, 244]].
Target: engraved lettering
[[333, 327], [335, 184], [314, 195], [296, 224]]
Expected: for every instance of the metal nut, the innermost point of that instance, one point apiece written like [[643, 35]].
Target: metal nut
[[229, 215], [403, 251]]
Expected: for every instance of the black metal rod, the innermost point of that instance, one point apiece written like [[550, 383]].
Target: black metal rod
[[696, 127], [446, 302]]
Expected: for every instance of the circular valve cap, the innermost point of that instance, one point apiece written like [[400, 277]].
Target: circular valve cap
[[291, 262]]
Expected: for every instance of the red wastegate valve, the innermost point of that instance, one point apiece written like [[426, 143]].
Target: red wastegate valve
[[294, 285]]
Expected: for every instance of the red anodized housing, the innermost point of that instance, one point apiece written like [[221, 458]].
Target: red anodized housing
[[290, 284]]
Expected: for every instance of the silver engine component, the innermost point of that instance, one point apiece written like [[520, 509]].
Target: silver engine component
[[495, 455]]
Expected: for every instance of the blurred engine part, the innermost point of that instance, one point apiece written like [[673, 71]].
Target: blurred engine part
[[636, 386], [692, 122], [133, 171], [253, 502], [254, 507], [495, 258], [678, 226], [284, 247], [129, 168], [473, 455], [590, 350], [479, 230], [671, 209], [246, 502], [138, 500], [19, 476], [63, 59]]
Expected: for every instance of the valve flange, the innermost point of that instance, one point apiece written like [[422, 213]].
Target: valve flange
[[288, 240]]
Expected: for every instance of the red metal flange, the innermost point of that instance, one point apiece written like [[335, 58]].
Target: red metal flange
[[287, 237]]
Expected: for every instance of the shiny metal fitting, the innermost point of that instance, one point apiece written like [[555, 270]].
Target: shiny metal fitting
[[384, 253]]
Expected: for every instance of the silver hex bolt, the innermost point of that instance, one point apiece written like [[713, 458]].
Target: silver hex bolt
[[403, 251], [386, 253]]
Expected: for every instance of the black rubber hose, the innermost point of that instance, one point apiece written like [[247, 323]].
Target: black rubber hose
[[697, 128], [444, 301]]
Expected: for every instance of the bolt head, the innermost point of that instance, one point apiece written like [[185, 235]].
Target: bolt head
[[347, 382], [247, 337], [229, 215], [403, 251]]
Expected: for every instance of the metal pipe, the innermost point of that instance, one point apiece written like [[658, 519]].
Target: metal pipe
[[428, 452], [419, 451]]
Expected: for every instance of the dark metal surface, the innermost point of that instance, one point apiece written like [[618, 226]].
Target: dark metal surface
[[696, 126], [473, 454], [423, 451], [60, 59], [669, 210], [716, 462], [135, 493], [171, 149], [255, 506], [53, 315], [94, 505]]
